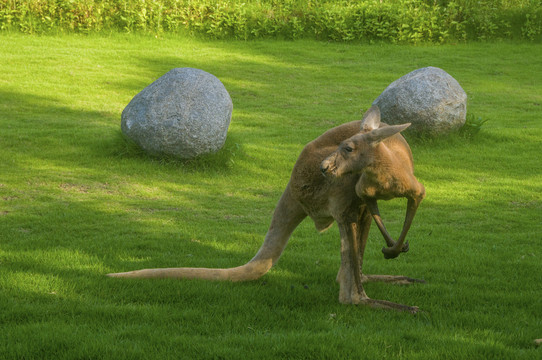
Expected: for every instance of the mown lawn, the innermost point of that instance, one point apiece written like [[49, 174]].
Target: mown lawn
[[77, 202]]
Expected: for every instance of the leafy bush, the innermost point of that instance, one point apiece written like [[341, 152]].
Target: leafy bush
[[398, 21], [473, 125]]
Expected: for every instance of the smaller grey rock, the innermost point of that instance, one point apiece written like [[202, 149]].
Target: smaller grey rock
[[429, 98], [185, 113]]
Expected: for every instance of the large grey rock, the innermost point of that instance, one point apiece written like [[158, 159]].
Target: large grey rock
[[429, 98], [185, 113]]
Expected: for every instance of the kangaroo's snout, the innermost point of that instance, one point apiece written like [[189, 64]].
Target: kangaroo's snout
[[324, 168], [328, 167]]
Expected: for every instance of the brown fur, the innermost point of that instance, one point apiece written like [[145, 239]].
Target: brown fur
[[338, 177]]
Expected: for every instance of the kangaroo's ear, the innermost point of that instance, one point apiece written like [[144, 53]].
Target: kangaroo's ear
[[378, 135], [371, 119]]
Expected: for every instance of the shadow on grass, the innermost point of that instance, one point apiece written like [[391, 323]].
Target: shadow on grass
[[44, 128], [222, 161], [93, 241]]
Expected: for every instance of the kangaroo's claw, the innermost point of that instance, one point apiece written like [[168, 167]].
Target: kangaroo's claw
[[390, 253]]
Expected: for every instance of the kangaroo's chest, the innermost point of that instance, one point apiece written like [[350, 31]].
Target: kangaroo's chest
[[380, 186]]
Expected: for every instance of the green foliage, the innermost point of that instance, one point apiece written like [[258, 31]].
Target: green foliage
[[397, 21], [473, 125]]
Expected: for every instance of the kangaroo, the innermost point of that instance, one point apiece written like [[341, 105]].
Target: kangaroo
[[338, 177]]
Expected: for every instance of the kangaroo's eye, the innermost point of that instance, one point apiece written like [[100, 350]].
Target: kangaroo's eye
[[347, 148]]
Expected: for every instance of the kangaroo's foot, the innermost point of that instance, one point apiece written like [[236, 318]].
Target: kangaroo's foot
[[360, 298], [351, 293], [388, 305], [394, 279]]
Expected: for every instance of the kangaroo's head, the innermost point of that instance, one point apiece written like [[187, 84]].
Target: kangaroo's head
[[359, 151]]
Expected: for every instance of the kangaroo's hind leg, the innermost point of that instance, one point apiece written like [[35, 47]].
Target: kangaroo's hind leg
[[354, 236]]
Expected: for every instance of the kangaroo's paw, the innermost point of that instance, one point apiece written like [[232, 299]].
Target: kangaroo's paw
[[394, 279]]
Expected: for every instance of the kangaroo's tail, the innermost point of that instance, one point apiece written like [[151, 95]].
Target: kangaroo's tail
[[287, 216]]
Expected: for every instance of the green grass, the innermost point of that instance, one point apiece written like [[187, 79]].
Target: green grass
[[77, 202]]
